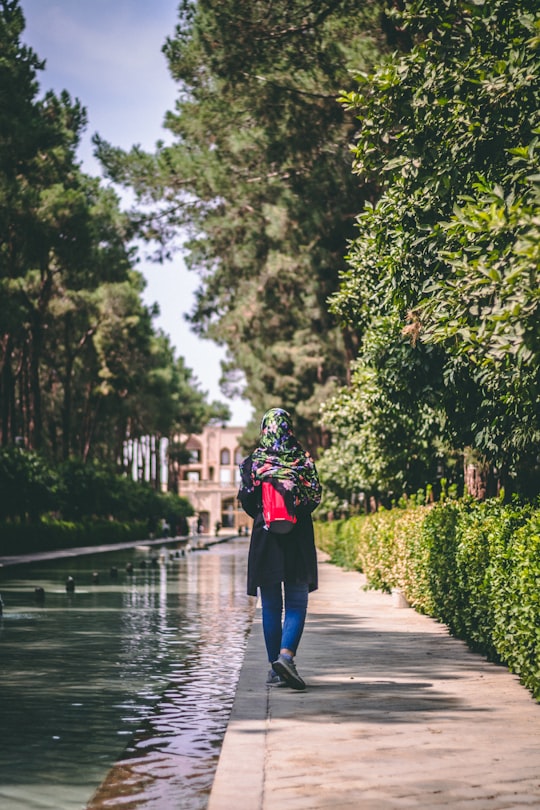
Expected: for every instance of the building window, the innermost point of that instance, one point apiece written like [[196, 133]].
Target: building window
[[193, 475], [225, 476], [225, 458], [194, 456], [238, 456]]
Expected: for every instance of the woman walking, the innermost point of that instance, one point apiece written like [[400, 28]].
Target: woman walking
[[282, 566]]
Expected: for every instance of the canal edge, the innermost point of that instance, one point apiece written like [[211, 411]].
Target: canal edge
[[245, 736]]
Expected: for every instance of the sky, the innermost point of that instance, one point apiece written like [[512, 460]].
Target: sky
[[107, 53]]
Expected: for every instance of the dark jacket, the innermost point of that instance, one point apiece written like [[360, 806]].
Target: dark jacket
[[279, 557]]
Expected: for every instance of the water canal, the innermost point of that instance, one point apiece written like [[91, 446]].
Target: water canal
[[118, 694]]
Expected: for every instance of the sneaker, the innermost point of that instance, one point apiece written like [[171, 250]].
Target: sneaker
[[273, 679], [285, 667]]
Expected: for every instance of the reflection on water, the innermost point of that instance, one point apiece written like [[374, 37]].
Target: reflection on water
[[125, 684]]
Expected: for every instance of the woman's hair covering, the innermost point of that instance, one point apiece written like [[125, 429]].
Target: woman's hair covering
[[279, 456]]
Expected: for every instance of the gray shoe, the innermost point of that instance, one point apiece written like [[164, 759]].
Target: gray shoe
[[273, 679], [286, 668]]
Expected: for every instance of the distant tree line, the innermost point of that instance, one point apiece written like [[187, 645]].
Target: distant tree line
[[259, 178], [33, 491], [82, 366], [358, 184], [45, 506], [424, 238]]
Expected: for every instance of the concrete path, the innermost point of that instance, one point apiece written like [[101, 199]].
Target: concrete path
[[397, 714]]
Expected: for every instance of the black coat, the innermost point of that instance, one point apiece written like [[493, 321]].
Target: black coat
[[279, 557]]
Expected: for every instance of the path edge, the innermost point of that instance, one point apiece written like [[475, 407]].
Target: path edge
[[239, 777]]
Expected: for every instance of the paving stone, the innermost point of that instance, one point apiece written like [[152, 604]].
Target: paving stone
[[396, 714]]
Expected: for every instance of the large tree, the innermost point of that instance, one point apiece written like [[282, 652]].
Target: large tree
[[82, 367], [258, 177], [450, 249], [37, 145]]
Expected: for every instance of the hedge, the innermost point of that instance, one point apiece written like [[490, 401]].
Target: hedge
[[474, 566], [50, 535]]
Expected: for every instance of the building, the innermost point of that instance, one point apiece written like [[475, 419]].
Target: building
[[211, 479]]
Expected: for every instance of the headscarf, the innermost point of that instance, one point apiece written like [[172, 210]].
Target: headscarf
[[280, 457]]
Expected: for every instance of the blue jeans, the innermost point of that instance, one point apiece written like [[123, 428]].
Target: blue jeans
[[282, 633]]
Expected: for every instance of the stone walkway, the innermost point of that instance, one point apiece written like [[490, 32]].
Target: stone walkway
[[397, 714]]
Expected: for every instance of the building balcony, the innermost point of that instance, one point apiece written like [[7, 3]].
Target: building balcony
[[207, 486]]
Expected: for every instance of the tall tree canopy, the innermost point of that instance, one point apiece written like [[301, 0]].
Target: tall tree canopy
[[82, 367], [446, 261], [259, 178]]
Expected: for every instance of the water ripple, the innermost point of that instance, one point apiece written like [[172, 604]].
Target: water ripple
[[122, 690]]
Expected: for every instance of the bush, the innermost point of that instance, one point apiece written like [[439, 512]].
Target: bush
[[339, 539], [61, 534], [90, 490], [90, 503], [515, 610], [28, 486], [474, 566]]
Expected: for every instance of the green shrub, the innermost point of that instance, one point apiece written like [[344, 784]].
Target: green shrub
[[411, 566], [384, 546], [51, 535], [516, 600], [376, 549], [28, 486], [90, 504], [339, 539], [474, 566], [439, 535]]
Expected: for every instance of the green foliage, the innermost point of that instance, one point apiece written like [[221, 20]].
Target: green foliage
[[516, 578], [90, 490], [82, 367], [52, 534], [32, 495], [339, 538], [485, 573], [259, 175], [94, 491], [385, 442], [449, 251], [28, 486], [174, 508], [474, 566]]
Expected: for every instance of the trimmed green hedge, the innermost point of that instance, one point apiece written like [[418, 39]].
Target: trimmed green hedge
[[60, 534], [474, 566], [31, 492]]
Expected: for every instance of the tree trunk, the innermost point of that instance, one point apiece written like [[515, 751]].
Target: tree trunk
[[475, 476], [7, 392], [67, 400], [66, 411], [35, 416], [481, 481]]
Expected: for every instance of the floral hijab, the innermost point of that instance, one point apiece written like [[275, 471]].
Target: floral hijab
[[280, 456]]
